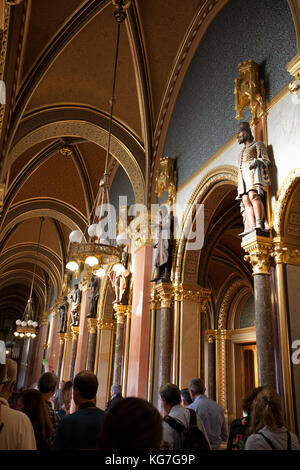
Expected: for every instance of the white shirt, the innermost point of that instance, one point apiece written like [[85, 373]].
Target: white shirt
[[182, 415], [17, 432]]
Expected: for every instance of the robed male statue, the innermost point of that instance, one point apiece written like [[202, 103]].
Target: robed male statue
[[63, 312]]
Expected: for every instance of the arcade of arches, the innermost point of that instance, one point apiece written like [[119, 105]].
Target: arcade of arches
[[229, 310]]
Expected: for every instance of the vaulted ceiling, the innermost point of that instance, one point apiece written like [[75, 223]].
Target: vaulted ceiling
[[58, 72]]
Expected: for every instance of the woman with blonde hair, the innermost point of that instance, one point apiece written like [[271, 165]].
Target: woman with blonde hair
[[267, 430]]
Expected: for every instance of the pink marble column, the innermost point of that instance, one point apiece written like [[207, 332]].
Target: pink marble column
[[54, 346], [139, 335]]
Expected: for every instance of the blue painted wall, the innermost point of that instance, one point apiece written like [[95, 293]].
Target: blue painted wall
[[121, 186], [204, 115]]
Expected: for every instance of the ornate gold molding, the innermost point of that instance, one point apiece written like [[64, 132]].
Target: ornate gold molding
[[226, 302], [282, 200], [259, 254], [285, 252], [140, 230], [3, 52], [92, 325]]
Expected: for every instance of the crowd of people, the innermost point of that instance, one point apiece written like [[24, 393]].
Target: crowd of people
[[41, 418]]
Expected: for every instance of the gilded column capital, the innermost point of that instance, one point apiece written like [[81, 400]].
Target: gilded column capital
[[84, 284], [223, 334], [62, 337], [285, 252], [140, 230], [210, 335], [259, 254], [165, 293], [128, 311], [75, 332], [105, 325], [120, 313], [92, 325]]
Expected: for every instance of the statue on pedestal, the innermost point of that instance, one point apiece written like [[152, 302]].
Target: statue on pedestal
[[162, 252], [75, 308], [63, 312], [253, 179], [93, 296]]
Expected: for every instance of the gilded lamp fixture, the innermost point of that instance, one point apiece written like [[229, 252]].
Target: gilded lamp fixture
[[27, 325], [99, 250]]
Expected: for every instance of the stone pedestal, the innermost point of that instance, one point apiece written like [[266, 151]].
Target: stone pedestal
[[120, 311], [75, 333], [92, 339], [259, 249]]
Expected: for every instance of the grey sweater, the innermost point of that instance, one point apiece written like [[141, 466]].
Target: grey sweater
[[277, 437]]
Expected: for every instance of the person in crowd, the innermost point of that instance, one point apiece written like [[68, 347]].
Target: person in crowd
[[79, 430], [58, 401], [267, 430], [66, 399], [239, 428], [33, 404], [185, 397], [171, 401], [210, 412], [47, 385], [116, 396], [133, 423], [16, 429]]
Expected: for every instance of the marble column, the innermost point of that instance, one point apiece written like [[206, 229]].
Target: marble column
[[62, 339], [24, 363], [211, 389], [40, 339], [221, 337], [259, 249], [75, 333], [120, 311], [92, 339], [165, 291]]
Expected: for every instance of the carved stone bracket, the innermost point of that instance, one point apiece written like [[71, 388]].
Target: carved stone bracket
[[165, 294], [284, 252], [259, 251], [166, 179], [249, 91]]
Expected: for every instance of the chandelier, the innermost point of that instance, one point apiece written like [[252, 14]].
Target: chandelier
[[100, 251], [27, 325]]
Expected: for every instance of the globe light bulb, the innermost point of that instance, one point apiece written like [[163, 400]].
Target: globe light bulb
[[16, 333], [92, 230], [28, 335], [33, 335], [72, 266], [91, 261], [122, 239], [100, 272], [21, 335], [76, 236], [24, 323], [104, 241], [18, 322], [29, 323], [35, 324]]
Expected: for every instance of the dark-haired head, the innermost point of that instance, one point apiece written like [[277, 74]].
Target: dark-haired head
[[133, 423], [249, 398]]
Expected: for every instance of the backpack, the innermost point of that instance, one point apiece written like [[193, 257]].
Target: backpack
[[192, 438]]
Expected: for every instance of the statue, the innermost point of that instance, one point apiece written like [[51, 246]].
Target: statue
[[63, 311], [163, 244], [75, 308], [253, 179], [121, 284], [94, 296]]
